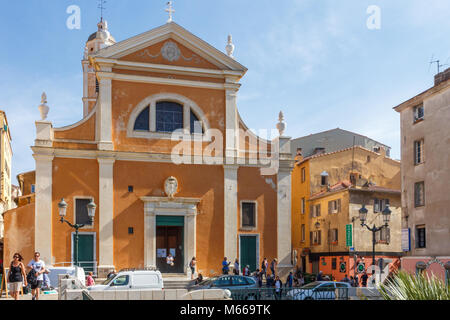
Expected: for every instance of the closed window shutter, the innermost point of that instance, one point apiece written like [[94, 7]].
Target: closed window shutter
[[376, 205], [311, 237], [330, 204], [318, 210], [311, 210], [339, 205], [319, 236], [388, 234]]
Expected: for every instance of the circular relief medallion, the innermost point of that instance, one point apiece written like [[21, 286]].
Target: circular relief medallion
[[171, 187], [170, 51]]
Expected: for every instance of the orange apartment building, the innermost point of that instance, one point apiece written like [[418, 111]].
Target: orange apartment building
[[328, 189]]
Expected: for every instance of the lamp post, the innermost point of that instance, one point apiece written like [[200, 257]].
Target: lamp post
[[62, 213], [386, 218]]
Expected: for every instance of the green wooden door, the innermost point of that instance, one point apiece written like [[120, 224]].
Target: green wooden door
[[85, 252], [248, 251]]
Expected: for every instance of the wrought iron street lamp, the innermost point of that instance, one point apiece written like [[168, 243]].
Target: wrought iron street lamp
[[62, 206], [386, 218]]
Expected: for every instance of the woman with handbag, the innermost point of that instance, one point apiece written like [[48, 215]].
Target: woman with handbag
[[17, 276]]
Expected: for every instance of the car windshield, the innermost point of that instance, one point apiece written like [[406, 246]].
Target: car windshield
[[108, 281], [208, 281], [311, 285]]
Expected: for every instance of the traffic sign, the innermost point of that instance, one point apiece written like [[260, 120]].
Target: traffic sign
[[348, 235]]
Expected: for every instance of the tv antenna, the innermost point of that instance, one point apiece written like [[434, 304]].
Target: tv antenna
[[101, 6], [438, 64]]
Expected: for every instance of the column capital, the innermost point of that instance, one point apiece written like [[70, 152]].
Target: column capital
[[231, 166], [43, 157], [106, 160]]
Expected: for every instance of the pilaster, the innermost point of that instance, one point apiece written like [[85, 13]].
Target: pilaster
[[230, 211], [106, 214], [43, 207], [104, 112]]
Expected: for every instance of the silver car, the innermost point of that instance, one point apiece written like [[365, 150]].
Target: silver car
[[230, 282], [319, 290]]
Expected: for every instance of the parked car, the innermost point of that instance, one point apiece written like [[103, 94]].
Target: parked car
[[318, 290], [229, 282], [132, 279]]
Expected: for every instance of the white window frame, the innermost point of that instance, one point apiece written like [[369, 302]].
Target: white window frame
[[256, 214], [86, 227], [187, 104]]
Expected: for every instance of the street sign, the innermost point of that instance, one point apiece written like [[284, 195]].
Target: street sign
[[352, 249], [348, 235]]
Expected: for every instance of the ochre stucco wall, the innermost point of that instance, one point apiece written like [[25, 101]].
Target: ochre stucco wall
[[72, 178], [252, 186], [147, 179], [19, 233], [127, 95]]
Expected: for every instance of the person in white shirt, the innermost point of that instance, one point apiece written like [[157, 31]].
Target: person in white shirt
[[37, 266]]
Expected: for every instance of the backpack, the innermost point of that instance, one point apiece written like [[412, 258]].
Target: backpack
[[31, 277]]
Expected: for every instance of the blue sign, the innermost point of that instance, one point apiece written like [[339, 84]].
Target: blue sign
[[352, 249]]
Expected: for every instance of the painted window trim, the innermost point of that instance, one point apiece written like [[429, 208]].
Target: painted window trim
[[187, 104], [256, 215], [75, 198]]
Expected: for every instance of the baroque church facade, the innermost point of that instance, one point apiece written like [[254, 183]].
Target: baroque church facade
[[218, 202]]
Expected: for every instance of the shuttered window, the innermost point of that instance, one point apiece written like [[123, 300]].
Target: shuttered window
[[248, 215], [81, 211]]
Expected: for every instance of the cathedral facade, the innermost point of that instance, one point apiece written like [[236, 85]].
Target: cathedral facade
[[163, 153]]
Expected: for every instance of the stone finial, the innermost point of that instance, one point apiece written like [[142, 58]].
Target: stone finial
[[43, 108], [281, 125], [230, 46]]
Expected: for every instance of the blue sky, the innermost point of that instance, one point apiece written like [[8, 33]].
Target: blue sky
[[314, 59]]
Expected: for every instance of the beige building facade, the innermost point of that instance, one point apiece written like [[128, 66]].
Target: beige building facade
[[425, 143]]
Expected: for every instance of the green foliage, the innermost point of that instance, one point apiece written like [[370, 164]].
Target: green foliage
[[405, 286]]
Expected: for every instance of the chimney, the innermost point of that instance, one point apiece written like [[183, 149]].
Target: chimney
[[441, 77], [298, 156], [318, 151]]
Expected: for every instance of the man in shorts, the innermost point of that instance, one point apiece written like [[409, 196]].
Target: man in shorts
[[38, 266]]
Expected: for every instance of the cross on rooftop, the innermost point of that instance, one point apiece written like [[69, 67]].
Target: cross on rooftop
[[170, 10], [101, 7]]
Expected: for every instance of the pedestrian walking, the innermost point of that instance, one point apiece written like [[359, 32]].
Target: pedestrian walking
[[346, 279], [246, 271], [16, 276], [278, 288], [273, 266], [37, 268], [290, 280], [192, 265], [170, 260], [264, 266], [320, 276], [90, 280], [225, 266], [236, 269], [301, 280], [259, 275], [364, 278]]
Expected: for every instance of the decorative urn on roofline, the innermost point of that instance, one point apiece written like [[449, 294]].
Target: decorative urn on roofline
[[43, 107]]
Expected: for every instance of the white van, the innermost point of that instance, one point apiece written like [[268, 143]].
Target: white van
[[132, 280]]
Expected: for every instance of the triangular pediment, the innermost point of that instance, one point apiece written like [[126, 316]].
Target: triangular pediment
[[173, 45]]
